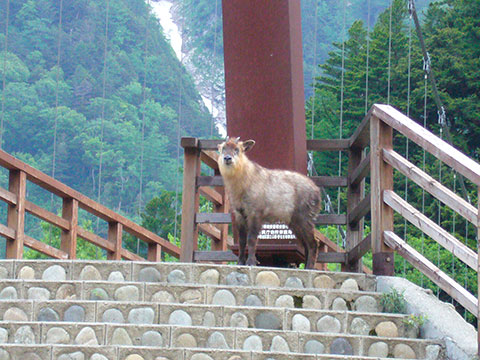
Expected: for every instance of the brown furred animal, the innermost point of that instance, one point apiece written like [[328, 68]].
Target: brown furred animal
[[259, 195]]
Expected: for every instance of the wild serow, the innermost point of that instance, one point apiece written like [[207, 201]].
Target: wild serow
[[259, 195]]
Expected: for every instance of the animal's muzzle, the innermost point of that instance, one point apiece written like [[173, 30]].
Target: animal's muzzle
[[227, 159]]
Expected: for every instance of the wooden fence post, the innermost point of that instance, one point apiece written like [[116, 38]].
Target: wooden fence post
[[355, 194], [381, 136], [154, 252], [221, 244], [68, 238], [16, 214], [190, 199], [115, 230]]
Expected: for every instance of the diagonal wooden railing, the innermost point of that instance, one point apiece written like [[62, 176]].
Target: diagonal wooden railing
[[19, 205], [376, 133], [383, 121]]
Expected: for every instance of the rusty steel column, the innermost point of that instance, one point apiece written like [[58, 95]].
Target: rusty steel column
[[265, 98]]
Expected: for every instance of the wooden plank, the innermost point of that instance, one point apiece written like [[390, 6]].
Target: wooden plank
[[95, 239], [210, 230], [47, 216], [209, 181], [16, 214], [433, 230], [213, 218], [45, 248], [361, 137], [211, 195], [360, 249], [360, 172], [381, 178], [154, 253], [321, 238], [68, 238], [7, 232], [430, 142], [362, 209], [355, 192], [421, 263], [209, 157], [127, 255], [190, 201], [331, 219], [210, 144], [327, 144], [115, 237], [89, 205], [218, 256], [332, 257], [189, 142], [7, 196], [426, 182], [330, 181]]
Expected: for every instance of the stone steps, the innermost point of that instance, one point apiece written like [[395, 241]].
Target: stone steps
[[68, 352], [278, 318], [181, 311], [180, 337]]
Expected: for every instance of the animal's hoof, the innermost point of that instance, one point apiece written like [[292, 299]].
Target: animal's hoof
[[251, 262]]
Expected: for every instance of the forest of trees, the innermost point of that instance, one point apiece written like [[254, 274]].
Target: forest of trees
[[105, 85], [451, 32]]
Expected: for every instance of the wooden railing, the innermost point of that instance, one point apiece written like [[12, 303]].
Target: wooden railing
[[18, 205], [383, 120], [215, 224]]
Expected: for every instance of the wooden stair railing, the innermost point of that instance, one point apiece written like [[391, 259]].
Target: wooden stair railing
[[383, 120], [215, 224], [18, 205]]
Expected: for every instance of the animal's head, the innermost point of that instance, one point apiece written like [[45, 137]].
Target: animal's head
[[232, 153]]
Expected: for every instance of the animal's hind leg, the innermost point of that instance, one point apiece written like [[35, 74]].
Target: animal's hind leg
[[253, 230], [304, 232]]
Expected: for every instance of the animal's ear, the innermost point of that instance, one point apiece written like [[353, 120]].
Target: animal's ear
[[248, 145], [219, 147]]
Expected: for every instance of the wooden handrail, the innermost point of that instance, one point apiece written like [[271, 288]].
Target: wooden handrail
[[73, 200], [433, 230], [431, 143], [384, 119], [431, 185], [421, 263]]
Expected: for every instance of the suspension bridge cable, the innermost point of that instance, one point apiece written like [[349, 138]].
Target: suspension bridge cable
[[56, 92], [212, 88], [105, 51], [367, 69], [436, 96], [389, 52], [4, 80], [425, 97], [314, 68], [179, 124], [142, 143], [407, 142], [342, 89]]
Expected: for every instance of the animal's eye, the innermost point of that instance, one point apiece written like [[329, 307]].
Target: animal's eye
[[236, 151]]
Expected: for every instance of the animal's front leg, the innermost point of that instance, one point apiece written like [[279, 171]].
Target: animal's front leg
[[242, 242], [253, 230]]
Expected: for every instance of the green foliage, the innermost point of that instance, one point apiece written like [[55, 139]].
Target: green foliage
[[127, 130], [393, 302], [415, 321], [51, 236]]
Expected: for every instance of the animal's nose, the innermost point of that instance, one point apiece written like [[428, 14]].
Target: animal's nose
[[227, 159]]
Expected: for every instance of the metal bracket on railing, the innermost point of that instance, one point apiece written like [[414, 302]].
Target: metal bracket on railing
[[442, 117], [427, 63]]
